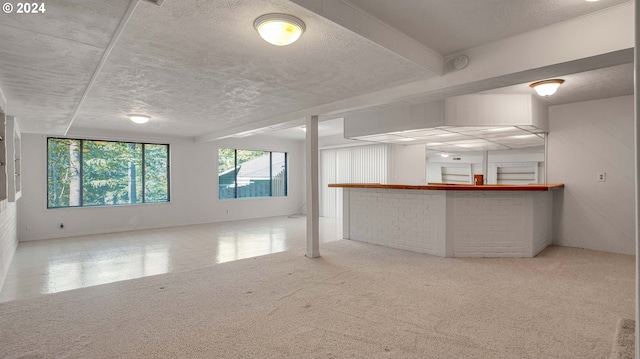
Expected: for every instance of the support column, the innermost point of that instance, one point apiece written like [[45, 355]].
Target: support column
[[546, 156], [313, 207], [485, 166], [636, 66]]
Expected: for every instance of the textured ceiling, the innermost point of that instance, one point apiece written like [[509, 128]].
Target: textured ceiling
[[605, 82], [199, 68], [216, 72], [589, 85], [450, 26], [48, 59]]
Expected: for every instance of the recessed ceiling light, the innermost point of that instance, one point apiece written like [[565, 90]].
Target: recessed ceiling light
[[500, 129], [547, 88], [279, 29], [445, 155], [140, 119], [469, 145]]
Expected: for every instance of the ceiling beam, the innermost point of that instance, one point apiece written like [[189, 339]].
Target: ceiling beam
[[366, 25], [105, 55]]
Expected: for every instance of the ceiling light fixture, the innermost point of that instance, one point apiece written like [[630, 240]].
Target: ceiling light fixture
[[140, 119], [523, 136], [500, 129], [279, 29], [547, 88]]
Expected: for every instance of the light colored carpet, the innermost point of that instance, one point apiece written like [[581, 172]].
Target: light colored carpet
[[624, 341], [357, 301]]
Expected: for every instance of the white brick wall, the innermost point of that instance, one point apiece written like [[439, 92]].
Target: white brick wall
[[8, 238], [451, 223], [542, 221], [488, 224], [410, 220]]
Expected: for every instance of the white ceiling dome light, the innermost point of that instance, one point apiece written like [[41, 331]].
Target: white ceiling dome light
[[279, 29], [546, 88], [140, 119]]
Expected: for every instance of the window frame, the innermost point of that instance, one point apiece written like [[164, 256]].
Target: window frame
[[235, 160], [81, 146]]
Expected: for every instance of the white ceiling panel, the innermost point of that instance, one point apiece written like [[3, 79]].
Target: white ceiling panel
[[54, 77], [47, 59], [450, 26]]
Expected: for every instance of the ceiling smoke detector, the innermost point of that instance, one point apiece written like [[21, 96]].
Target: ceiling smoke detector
[[460, 62]]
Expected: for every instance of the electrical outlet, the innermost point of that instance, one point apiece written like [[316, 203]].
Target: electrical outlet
[[602, 177]]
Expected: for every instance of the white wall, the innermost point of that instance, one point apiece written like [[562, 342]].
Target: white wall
[[194, 192], [407, 164], [586, 138], [409, 117]]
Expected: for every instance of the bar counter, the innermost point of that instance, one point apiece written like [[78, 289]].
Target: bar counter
[[453, 187], [451, 220]]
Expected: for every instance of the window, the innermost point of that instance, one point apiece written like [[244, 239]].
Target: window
[[83, 173], [245, 173]]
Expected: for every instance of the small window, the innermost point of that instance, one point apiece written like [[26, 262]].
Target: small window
[[83, 173], [246, 173]]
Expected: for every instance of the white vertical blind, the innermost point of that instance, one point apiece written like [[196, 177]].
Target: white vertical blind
[[328, 173], [361, 164]]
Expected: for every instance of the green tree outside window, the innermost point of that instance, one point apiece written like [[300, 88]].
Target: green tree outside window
[[102, 173]]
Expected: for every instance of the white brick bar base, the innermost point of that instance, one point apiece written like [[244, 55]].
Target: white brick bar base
[[450, 223], [8, 237]]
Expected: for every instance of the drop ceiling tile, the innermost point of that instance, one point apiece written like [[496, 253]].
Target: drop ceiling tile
[[466, 129], [425, 133], [448, 137], [381, 138], [504, 134]]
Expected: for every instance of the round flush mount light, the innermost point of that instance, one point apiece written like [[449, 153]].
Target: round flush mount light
[[546, 88], [279, 29], [139, 118]]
